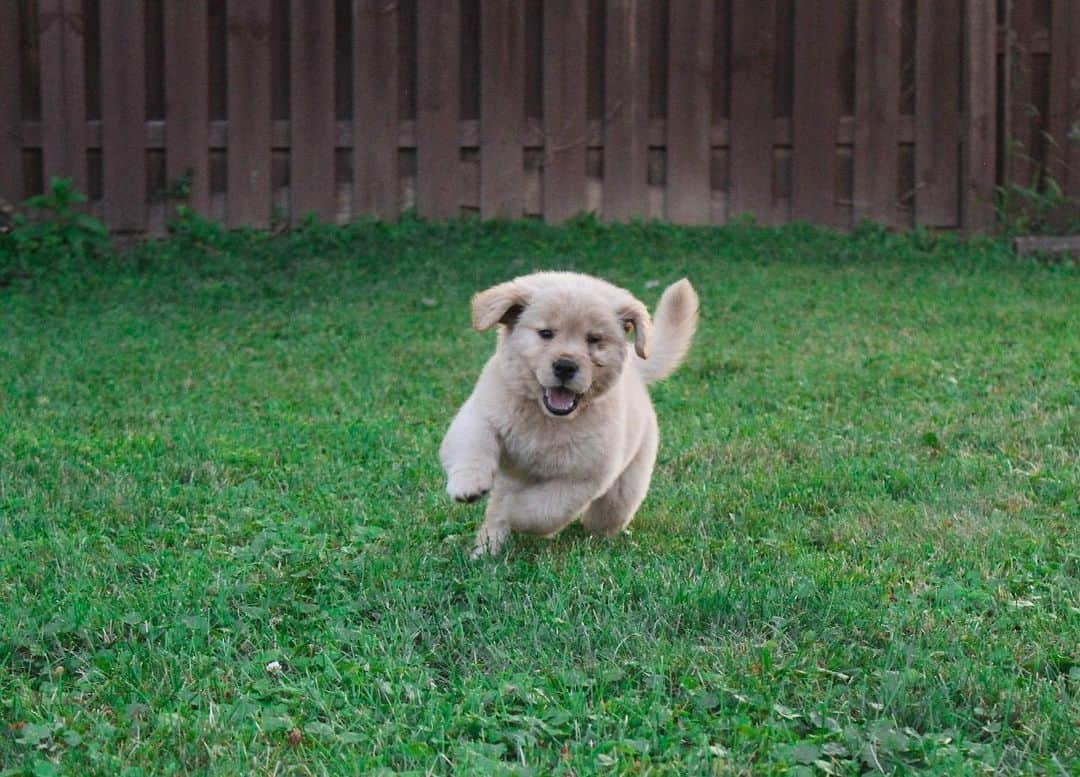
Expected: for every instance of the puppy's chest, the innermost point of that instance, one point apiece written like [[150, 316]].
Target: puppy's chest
[[554, 450]]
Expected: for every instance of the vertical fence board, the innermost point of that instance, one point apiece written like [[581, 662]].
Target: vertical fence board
[[1019, 139], [980, 45], [1072, 88], [375, 108], [937, 125], [877, 96], [63, 101], [438, 49], [11, 178], [690, 50], [1064, 157], [311, 111], [564, 98], [123, 113], [187, 85], [502, 108], [626, 119], [753, 56], [815, 112], [248, 106]]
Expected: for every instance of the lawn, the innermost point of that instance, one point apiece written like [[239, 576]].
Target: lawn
[[225, 546]]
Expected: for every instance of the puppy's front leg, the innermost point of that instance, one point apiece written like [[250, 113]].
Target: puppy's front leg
[[469, 454], [533, 508]]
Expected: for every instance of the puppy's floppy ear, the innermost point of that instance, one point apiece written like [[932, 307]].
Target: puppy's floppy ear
[[634, 314], [500, 304]]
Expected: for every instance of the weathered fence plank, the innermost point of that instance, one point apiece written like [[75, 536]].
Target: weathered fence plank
[[311, 110], [815, 112], [1019, 119], [502, 108], [375, 108], [564, 97], [249, 104], [1064, 98], [626, 119], [877, 96], [187, 109], [753, 36], [689, 111], [937, 113], [11, 142], [63, 102], [438, 167], [980, 46], [123, 109]]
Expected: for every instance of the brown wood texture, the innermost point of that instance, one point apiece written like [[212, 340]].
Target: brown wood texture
[[375, 108], [63, 100], [249, 106], [1064, 100], [187, 108], [11, 140], [438, 166], [877, 95], [123, 109], [689, 112], [937, 113], [626, 119], [753, 58], [1019, 137], [815, 112], [693, 109], [502, 108], [564, 99], [311, 113], [980, 100]]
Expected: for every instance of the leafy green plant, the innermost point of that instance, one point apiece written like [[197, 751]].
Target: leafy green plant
[[53, 223], [1041, 206]]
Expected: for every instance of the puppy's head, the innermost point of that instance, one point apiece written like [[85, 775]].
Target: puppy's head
[[563, 336]]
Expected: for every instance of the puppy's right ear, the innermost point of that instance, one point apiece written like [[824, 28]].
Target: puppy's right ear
[[500, 304]]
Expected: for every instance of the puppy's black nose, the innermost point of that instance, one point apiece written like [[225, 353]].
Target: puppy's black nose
[[564, 369]]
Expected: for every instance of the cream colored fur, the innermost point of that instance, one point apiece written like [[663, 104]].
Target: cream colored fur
[[545, 470]]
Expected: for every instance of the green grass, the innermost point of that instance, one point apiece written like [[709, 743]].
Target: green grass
[[860, 552]]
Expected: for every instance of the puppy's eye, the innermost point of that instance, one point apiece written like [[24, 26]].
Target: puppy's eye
[[593, 339], [545, 334]]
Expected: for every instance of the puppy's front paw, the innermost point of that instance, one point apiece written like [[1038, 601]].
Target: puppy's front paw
[[468, 485]]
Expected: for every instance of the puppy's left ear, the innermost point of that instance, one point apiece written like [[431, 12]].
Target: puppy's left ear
[[634, 314], [500, 304]]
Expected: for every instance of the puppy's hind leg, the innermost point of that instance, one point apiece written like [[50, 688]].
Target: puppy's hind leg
[[534, 508], [612, 511]]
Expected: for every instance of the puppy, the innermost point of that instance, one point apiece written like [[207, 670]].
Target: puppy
[[560, 424]]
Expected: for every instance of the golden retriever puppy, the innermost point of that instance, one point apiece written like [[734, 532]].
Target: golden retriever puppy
[[560, 424]]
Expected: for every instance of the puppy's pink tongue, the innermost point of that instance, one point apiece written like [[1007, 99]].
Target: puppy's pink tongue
[[560, 398]]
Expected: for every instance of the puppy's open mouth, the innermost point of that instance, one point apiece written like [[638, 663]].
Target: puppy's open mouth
[[560, 401]]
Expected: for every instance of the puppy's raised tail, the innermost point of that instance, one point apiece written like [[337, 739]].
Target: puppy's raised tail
[[673, 328]]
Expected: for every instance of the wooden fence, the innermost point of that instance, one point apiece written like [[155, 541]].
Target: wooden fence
[[695, 111]]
